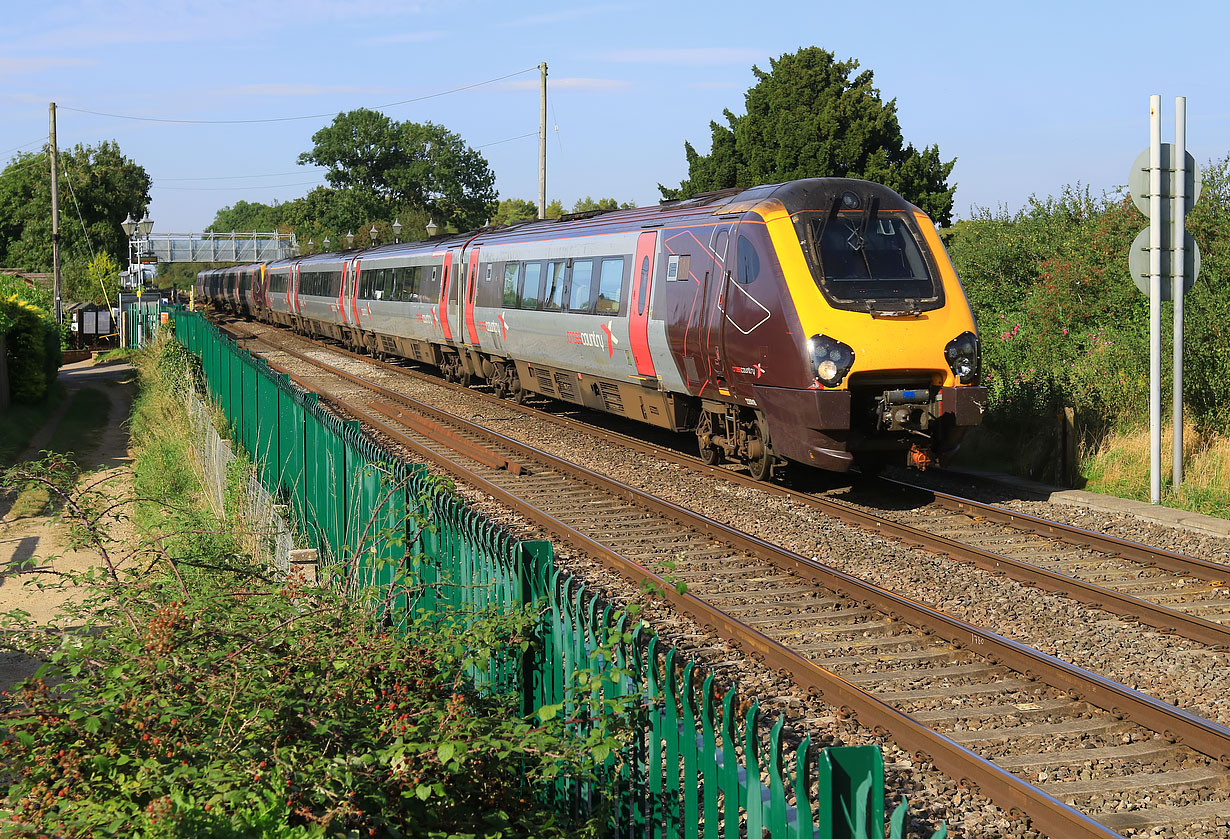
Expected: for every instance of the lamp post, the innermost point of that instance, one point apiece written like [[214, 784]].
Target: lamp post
[[325, 245], [349, 240], [431, 228], [137, 233], [396, 231], [310, 245], [373, 233]]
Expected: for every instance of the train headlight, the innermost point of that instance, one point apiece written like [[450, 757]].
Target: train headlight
[[831, 359], [962, 356]]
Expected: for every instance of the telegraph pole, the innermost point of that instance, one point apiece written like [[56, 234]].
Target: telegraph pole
[[542, 145], [55, 216]]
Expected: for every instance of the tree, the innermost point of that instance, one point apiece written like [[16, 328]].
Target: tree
[[98, 180], [809, 118], [98, 283], [514, 209], [382, 164], [248, 217], [588, 205]]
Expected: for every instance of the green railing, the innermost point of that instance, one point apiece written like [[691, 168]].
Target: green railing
[[701, 763]]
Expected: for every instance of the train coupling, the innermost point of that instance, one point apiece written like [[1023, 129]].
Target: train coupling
[[906, 410]]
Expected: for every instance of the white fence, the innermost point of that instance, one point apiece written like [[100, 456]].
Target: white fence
[[267, 536]]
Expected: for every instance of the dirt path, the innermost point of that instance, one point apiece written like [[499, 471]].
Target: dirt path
[[44, 539]]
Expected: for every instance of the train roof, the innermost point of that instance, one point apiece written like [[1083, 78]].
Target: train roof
[[793, 196]]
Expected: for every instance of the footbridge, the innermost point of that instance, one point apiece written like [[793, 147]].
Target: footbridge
[[218, 247]]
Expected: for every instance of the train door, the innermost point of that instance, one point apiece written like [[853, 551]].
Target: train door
[[341, 295], [354, 291], [712, 323], [292, 289], [445, 292], [471, 291], [638, 314]]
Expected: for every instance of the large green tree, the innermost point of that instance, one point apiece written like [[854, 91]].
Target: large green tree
[[97, 181], [810, 117], [385, 164]]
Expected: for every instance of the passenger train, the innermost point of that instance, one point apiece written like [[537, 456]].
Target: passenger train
[[817, 322]]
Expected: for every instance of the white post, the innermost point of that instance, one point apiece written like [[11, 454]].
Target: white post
[[1155, 299], [1178, 274]]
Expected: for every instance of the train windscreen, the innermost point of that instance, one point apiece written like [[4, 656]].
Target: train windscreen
[[868, 260]]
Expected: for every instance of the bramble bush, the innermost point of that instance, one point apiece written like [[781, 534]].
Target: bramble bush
[[197, 694]]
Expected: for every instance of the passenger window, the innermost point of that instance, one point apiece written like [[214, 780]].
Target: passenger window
[[531, 286], [408, 290], [582, 281], [643, 288], [553, 295], [511, 275], [429, 289], [610, 286]]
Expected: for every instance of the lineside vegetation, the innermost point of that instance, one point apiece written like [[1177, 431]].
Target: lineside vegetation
[[1062, 324], [194, 693]]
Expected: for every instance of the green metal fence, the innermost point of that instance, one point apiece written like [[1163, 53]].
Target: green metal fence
[[700, 763]]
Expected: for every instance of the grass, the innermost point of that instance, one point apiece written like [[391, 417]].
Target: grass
[[122, 354], [1120, 466], [78, 433]]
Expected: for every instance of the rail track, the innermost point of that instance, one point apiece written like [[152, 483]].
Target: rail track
[[985, 709]]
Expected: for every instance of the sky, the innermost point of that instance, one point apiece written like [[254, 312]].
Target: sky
[[1028, 97]]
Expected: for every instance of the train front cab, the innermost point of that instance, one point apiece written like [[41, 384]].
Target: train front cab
[[876, 358]]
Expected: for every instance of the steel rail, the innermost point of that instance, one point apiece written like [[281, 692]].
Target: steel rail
[[1007, 790], [1160, 617], [1203, 569], [1173, 723]]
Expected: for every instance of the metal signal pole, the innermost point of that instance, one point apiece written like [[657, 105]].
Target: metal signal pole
[[1178, 274], [55, 216], [1155, 299], [542, 145]]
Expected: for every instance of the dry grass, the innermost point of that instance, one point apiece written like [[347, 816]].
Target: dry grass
[[1120, 466]]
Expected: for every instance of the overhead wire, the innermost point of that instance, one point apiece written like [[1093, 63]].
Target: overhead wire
[[80, 218], [232, 177], [301, 117], [42, 139], [13, 170], [229, 188], [280, 174]]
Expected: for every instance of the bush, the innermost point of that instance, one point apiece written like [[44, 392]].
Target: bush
[[33, 348], [1062, 323], [201, 695]]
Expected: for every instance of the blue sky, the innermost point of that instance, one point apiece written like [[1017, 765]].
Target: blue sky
[[1027, 96]]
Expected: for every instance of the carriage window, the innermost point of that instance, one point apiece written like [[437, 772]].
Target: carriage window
[[531, 286], [610, 285], [582, 280], [553, 297], [511, 272], [429, 285], [644, 287]]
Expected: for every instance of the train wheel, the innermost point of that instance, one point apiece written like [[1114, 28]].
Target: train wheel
[[760, 466], [710, 455]]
